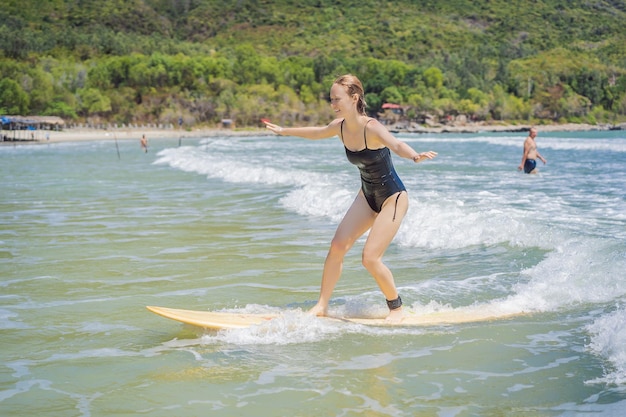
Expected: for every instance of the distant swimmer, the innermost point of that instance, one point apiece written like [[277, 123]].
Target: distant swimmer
[[144, 143], [529, 163], [381, 202]]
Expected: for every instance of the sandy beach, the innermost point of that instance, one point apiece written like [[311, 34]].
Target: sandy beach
[[83, 134]]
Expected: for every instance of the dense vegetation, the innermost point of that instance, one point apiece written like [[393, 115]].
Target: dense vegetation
[[153, 61]]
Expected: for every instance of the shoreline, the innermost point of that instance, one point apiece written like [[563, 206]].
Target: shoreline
[[82, 134]]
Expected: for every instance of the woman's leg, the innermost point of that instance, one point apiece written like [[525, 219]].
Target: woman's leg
[[381, 234], [357, 220]]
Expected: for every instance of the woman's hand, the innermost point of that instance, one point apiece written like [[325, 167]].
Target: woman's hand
[[274, 128], [424, 155]]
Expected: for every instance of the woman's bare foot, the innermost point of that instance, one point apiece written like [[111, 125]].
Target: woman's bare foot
[[318, 310], [395, 316]]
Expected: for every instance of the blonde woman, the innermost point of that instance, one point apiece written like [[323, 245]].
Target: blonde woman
[[382, 201]]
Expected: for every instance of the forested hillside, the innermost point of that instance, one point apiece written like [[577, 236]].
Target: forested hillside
[[153, 61]]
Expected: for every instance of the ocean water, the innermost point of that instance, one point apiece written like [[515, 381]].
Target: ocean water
[[243, 223]]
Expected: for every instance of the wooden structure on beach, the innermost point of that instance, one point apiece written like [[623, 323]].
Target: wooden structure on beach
[[16, 128]]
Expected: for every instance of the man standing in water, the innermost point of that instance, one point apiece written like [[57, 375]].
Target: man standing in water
[[531, 153], [144, 143]]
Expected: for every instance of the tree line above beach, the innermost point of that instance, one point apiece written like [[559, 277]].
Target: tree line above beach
[[157, 61]]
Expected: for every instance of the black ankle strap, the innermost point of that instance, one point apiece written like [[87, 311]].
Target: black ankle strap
[[394, 304]]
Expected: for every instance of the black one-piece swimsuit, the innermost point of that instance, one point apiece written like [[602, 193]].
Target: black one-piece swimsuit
[[379, 179]]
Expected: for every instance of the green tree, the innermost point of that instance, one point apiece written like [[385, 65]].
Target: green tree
[[13, 99], [226, 102], [99, 76], [572, 104], [374, 102], [307, 95], [478, 106], [92, 101], [498, 103], [289, 105], [211, 68], [38, 84], [591, 84], [61, 109], [246, 64], [468, 107], [391, 95], [254, 103], [297, 72], [123, 104], [433, 78]]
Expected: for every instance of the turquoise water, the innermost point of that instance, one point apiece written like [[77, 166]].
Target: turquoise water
[[88, 239]]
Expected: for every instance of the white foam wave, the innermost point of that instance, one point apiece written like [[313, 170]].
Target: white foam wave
[[556, 143], [319, 200], [234, 170], [433, 221], [441, 223], [291, 327], [297, 327], [608, 340], [572, 275]]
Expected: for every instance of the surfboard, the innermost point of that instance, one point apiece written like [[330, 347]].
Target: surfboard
[[221, 320]]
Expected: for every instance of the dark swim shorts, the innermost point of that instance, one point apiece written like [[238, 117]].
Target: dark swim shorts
[[529, 165]]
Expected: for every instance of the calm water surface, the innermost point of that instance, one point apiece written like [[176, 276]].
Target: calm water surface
[[88, 239]]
